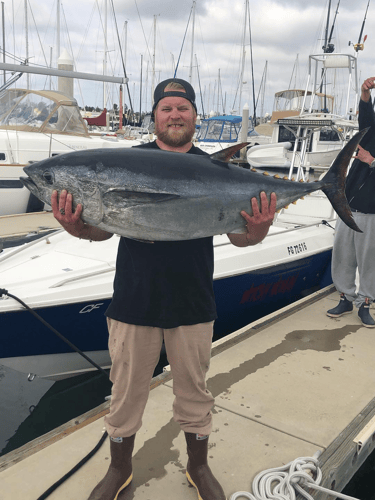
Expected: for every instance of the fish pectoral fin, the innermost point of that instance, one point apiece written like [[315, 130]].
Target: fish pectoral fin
[[131, 197]]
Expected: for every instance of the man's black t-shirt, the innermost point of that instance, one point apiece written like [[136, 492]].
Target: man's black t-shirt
[[164, 284], [360, 183]]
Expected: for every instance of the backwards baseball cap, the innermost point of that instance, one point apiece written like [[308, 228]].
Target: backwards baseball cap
[[160, 93]]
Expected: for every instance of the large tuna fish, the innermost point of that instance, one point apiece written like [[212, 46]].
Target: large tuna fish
[[149, 194]]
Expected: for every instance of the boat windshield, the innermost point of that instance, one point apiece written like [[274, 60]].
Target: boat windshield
[[221, 130], [27, 111]]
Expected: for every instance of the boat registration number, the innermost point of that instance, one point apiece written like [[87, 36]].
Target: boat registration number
[[296, 249]]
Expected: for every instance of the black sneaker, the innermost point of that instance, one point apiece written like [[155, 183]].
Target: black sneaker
[[343, 307], [365, 316]]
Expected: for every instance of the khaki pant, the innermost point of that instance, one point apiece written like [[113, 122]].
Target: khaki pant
[[135, 351]]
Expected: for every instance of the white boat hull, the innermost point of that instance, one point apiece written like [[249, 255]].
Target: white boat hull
[[69, 282]]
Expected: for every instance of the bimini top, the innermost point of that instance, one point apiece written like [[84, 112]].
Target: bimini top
[[223, 128], [44, 111]]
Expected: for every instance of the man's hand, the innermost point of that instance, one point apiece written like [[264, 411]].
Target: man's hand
[[364, 156], [258, 224], [62, 208], [367, 85]]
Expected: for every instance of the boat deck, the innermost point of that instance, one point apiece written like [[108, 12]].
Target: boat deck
[[19, 226], [289, 385]]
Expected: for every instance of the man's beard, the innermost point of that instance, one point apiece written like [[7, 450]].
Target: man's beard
[[175, 139]]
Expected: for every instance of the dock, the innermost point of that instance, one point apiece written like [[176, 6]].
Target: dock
[[286, 386]]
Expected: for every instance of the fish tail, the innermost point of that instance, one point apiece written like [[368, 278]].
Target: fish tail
[[333, 183]]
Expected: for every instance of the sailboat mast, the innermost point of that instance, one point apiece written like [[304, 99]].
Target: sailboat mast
[[105, 55], [3, 28], [243, 56], [27, 45], [327, 26], [153, 63], [263, 86], [140, 93], [192, 45], [58, 30], [252, 71]]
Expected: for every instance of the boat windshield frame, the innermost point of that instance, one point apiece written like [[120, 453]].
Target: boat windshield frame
[[222, 129], [40, 111]]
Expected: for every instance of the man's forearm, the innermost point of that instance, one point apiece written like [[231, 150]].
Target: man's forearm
[[244, 239], [87, 232], [80, 229]]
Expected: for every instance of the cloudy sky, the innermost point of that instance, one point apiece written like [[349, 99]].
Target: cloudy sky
[[283, 34]]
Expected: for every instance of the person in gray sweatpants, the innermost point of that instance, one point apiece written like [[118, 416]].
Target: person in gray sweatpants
[[354, 251]]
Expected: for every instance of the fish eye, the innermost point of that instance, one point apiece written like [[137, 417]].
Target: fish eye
[[48, 177]]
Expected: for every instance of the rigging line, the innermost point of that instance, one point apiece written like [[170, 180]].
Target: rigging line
[[71, 48], [200, 89], [122, 56], [105, 48], [239, 72], [183, 41], [14, 57], [260, 86], [41, 46], [143, 31]]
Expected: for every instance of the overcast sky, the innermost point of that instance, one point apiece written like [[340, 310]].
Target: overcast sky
[[283, 33]]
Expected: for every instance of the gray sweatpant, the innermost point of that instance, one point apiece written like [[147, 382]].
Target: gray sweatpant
[[352, 250]]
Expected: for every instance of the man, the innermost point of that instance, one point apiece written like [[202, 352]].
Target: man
[[163, 291], [352, 250]]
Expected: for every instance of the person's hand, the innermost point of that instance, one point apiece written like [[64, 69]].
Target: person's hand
[[364, 155], [258, 224], [62, 208], [367, 85]]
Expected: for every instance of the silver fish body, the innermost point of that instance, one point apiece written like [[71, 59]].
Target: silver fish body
[[153, 195]]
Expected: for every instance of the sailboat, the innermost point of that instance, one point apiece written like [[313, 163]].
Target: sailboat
[[37, 124]]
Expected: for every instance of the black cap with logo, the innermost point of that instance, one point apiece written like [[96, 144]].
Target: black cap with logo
[[160, 93]]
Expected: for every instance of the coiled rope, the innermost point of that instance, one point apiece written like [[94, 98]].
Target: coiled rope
[[283, 483]]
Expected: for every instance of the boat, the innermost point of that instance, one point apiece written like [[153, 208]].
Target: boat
[[306, 130], [220, 132], [35, 125], [68, 282]]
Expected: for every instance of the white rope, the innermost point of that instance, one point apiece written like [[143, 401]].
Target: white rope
[[283, 483]]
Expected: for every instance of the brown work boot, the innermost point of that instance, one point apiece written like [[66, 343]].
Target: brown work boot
[[198, 472], [120, 472]]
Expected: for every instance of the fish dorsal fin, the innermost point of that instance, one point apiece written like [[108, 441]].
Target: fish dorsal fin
[[226, 154]]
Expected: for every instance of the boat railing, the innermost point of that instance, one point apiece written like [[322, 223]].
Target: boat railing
[[296, 227], [26, 246], [83, 276]]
